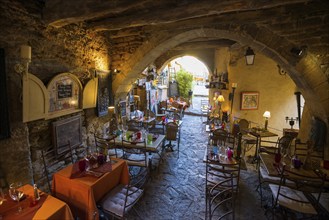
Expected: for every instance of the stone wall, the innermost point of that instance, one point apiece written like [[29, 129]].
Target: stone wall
[[70, 49]]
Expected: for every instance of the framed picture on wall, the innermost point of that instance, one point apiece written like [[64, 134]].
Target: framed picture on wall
[[249, 100]]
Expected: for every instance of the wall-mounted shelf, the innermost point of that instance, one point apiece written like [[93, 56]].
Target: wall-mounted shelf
[[216, 85]]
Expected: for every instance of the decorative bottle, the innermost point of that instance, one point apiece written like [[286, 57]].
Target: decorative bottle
[[36, 192]]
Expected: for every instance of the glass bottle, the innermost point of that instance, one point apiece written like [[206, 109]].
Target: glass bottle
[[36, 192]]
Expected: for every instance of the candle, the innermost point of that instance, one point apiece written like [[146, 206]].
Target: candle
[[111, 110], [26, 52]]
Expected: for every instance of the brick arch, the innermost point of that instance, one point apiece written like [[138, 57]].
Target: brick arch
[[305, 72]]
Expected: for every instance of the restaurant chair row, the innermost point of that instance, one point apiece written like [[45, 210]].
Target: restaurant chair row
[[296, 187]]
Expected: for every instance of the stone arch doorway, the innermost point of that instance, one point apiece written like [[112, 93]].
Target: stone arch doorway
[[304, 71], [200, 71]]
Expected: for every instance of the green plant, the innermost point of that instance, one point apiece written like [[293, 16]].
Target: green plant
[[184, 80]]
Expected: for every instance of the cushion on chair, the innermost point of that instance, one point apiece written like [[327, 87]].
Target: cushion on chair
[[298, 195], [114, 201], [138, 159]]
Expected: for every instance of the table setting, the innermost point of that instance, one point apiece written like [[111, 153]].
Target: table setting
[[20, 202]]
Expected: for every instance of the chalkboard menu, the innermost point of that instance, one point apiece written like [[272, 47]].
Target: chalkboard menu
[[173, 89], [65, 130], [64, 91], [103, 95]]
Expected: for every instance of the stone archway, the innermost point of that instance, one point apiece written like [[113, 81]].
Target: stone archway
[[305, 72]]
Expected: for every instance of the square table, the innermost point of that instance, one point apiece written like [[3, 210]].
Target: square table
[[82, 193], [51, 207], [259, 134]]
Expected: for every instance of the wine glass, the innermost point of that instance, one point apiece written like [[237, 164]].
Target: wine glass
[[16, 193]]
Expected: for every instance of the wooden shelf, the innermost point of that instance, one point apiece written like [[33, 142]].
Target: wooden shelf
[[217, 85]]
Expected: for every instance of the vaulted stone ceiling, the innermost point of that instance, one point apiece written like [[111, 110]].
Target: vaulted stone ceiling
[[304, 23]]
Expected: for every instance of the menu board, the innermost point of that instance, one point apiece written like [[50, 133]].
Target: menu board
[[65, 130], [64, 91]]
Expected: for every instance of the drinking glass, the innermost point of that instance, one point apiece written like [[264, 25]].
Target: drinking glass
[[16, 193]]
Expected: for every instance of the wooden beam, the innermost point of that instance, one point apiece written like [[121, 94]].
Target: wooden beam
[[194, 10]]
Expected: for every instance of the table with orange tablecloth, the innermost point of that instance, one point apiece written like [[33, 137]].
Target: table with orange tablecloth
[[82, 193], [48, 207]]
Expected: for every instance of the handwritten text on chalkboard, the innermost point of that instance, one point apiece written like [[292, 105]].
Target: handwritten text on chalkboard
[[64, 91]]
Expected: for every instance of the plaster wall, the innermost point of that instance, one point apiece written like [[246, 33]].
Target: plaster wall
[[276, 92]]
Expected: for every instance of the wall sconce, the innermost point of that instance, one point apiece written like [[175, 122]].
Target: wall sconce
[[23, 66], [250, 56], [292, 121], [231, 95], [266, 115], [111, 110]]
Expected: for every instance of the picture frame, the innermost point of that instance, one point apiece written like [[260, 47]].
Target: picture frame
[[249, 100]]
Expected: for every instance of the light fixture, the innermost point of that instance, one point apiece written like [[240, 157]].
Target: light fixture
[[266, 115], [111, 110], [250, 56], [231, 96], [25, 58], [220, 98], [296, 51], [292, 121]]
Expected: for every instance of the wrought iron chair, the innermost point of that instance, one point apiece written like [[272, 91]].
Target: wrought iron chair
[[134, 152], [218, 136], [281, 145], [108, 146], [222, 182], [205, 109], [53, 162], [120, 200], [297, 199]]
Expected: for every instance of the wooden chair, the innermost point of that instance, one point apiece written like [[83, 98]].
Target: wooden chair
[[108, 146], [248, 140], [172, 134], [297, 199], [54, 162], [120, 200]]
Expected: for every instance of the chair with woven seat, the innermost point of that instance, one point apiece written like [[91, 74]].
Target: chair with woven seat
[[107, 145], [120, 200], [297, 199], [172, 134]]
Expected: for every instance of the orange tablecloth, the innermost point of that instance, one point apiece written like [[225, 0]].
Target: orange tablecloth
[[81, 194], [49, 208]]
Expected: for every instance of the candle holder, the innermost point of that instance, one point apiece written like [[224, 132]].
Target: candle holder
[[291, 121], [22, 66]]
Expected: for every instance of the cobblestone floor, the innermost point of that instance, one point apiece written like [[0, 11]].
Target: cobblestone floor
[[177, 188]]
